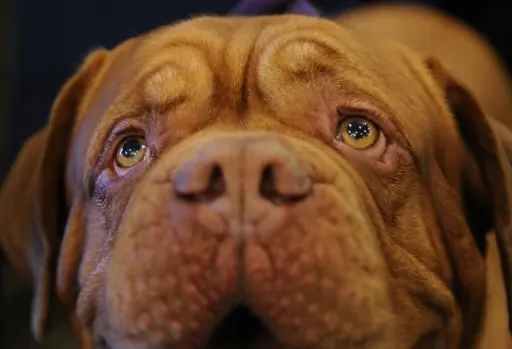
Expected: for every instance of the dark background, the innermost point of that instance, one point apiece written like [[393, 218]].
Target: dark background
[[42, 42]]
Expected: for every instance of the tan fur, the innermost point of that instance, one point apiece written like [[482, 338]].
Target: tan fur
[[464, 52], [378, 249], [473, 61]]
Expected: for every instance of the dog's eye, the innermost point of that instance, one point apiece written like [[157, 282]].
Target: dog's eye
[[357, 132], [130, 152]]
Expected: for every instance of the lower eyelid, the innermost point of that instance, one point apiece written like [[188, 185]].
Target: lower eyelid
[[379, 147], [375, 151]]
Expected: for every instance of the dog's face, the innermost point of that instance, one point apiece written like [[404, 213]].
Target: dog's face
[[264, 183]]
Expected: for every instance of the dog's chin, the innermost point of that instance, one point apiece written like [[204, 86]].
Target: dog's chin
[[240, 328]]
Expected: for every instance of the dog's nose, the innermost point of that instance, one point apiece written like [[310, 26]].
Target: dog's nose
[[243, 169]]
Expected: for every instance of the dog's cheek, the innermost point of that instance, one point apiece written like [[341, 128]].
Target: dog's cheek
[[324, 274], [96, 233], [405, 208], [188, 270], [103, 212], [412, 243]]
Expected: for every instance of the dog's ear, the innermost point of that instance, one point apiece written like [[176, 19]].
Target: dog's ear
[[32, 199], [487, 176]]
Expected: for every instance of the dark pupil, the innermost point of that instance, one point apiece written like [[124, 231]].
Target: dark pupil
[[358, 129], [131, 148]]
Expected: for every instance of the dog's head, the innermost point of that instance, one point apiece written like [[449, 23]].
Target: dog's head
[[274, 182]]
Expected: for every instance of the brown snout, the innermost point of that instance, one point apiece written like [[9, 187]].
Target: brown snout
[[256, 171], [201, 206], [232, 224]]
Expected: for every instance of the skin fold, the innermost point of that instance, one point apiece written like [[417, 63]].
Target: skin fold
[[246, 194]]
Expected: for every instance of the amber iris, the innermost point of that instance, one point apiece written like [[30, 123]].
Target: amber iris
[[130, 152], [357, 132]]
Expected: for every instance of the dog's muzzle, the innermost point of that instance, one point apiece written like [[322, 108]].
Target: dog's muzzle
[[230, 241]]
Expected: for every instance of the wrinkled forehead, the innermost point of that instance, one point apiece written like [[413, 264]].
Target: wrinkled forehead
[[232, 50], [216, 60]]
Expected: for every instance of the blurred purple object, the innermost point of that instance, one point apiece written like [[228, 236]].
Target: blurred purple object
[[265, 7]]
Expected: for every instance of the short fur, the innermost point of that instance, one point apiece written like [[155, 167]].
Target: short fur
[[382, 251]]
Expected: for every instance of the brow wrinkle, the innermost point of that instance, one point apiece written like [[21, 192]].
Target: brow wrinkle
[[164, 106]]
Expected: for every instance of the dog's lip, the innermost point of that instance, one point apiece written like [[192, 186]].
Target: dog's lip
[[241, 328]]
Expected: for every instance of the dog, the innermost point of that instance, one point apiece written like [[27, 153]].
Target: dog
[[267, 182]]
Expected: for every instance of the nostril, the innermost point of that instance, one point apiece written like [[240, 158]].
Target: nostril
[[215, 187], [267, 185], [279, 194], [101, 343], [217, 182]]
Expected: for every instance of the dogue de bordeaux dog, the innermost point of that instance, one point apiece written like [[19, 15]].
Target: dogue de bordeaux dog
[[274, 182]]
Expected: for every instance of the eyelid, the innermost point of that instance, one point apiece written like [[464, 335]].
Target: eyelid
[[375, 117], [118, 133], [126, 128]]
